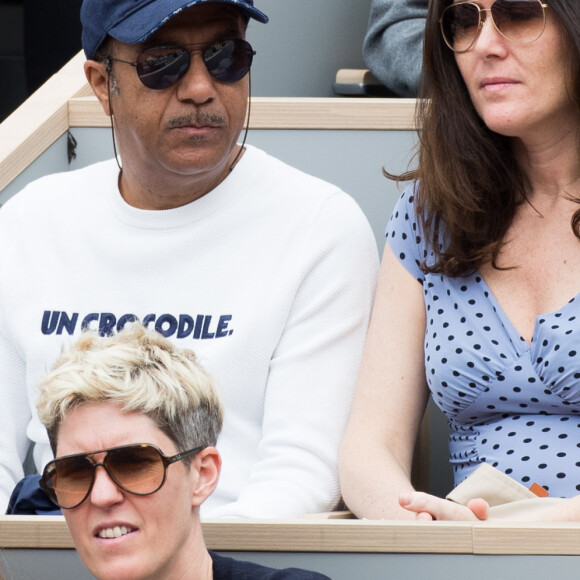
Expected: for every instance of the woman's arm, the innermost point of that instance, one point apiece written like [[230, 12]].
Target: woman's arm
[[390, 399]]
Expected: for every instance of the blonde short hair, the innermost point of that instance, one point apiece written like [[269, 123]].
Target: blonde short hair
[[141, 371]]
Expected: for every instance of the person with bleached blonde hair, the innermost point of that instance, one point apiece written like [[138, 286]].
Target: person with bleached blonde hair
[[140, 371], [148, 414]]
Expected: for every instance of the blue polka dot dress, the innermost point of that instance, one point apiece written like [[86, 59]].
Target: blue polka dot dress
[[511, 404]]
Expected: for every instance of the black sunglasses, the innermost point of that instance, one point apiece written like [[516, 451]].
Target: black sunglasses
[[161, 67], [140, 469]]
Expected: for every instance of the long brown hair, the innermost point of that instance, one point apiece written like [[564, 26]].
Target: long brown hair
[[470, 184]]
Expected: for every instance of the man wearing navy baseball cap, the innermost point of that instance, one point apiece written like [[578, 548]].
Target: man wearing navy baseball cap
[[134, 22], [265, 272]]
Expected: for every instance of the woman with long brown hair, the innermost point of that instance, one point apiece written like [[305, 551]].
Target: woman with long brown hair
[[478, 299]]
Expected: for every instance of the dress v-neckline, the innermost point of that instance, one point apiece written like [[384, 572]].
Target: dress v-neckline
[[515, 335]]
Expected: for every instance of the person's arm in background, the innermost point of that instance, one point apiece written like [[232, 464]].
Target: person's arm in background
[[393, 46]]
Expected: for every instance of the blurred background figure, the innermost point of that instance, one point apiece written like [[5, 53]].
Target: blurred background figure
[[393, 45]]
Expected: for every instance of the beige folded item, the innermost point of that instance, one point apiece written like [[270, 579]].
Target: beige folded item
[[492, 485], [505, 496], [523, 506]]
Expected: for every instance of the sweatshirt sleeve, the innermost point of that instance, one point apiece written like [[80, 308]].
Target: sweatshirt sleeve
[[313, 369], [14, 407]]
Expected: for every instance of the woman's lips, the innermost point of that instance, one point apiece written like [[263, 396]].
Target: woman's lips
[[497, 83]]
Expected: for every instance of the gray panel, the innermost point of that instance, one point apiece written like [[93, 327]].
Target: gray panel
[[43, 565], [92, 145], [66, 565], [440, 470], [304, 44], [53, 160], [340, 566]]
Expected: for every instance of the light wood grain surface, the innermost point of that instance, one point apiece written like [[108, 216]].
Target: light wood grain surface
[[356, 536], [292, 113]]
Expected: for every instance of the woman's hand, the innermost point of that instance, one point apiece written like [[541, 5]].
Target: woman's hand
[[430, 507]]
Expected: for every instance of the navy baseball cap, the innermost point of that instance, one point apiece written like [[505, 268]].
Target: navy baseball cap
[[133, 21]]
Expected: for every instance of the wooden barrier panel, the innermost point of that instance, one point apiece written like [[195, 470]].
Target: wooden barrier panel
[[40, 547], [373, 114], [341, 535]]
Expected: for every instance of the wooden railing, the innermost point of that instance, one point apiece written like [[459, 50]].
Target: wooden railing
[[311, 535]]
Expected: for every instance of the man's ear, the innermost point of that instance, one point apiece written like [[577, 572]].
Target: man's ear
[[207, 463], [97, 74]]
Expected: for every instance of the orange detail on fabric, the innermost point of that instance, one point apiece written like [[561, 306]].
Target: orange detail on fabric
[[538, 490]]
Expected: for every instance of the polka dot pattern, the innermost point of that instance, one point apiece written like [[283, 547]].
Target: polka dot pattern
[[510, 404]]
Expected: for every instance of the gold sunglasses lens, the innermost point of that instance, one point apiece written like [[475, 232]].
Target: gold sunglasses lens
[[460, 25], [520, 21], [71, 480], [138, 470]]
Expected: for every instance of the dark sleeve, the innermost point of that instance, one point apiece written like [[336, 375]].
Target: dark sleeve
[[393, 46], [296, 574], [225, 568]]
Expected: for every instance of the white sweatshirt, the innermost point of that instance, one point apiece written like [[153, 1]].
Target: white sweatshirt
[[269, 278]]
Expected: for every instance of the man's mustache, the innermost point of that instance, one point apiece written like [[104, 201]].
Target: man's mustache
[[197, 120]]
